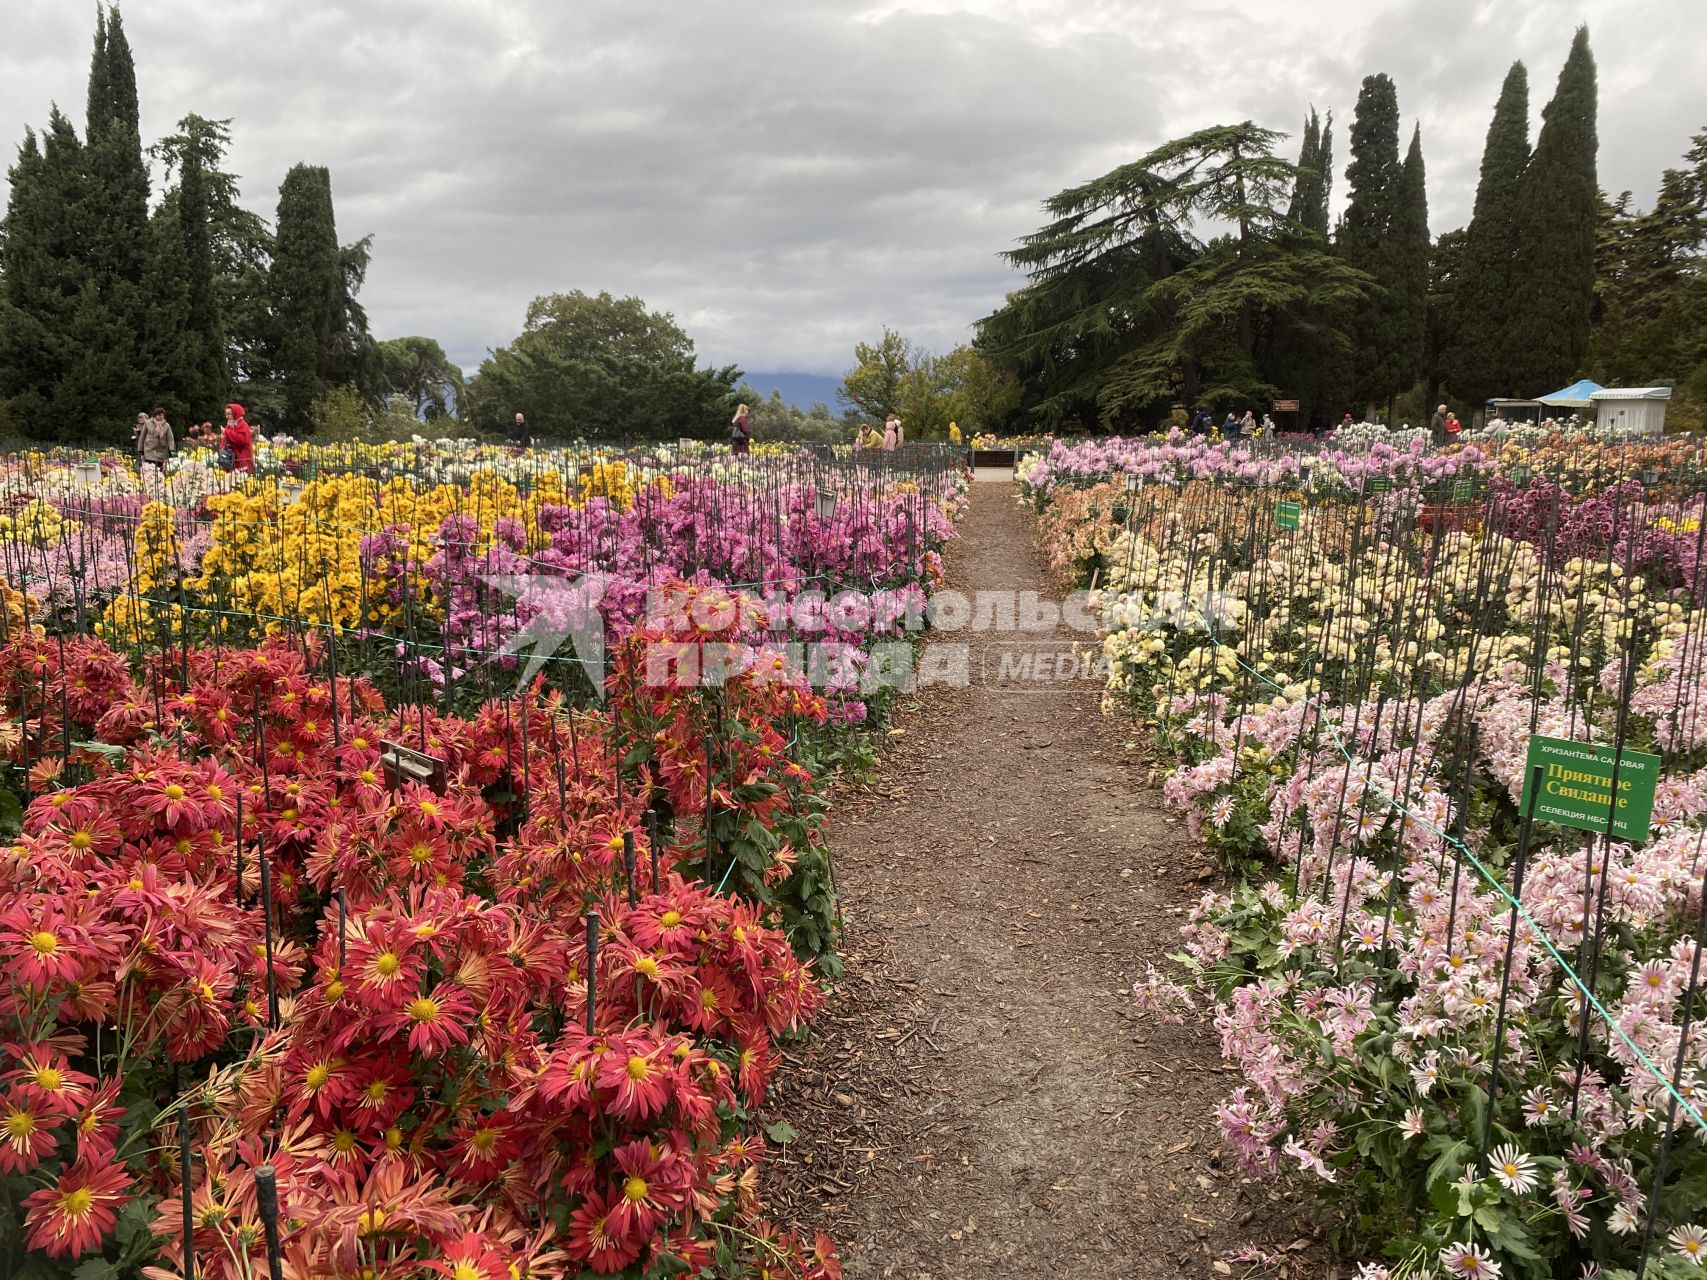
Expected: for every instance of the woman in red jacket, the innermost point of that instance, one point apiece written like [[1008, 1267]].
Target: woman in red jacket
[[239, 439]]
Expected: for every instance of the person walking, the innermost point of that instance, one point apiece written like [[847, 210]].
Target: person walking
[[136, 433], [1453, 426], [741, 430], [154, 442], [521, 435], [1230, 425], [1267, 427], [1437, 426], [238, 439], [891, 433]]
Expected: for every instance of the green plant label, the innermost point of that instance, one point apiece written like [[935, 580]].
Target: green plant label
[[1576, 786], [1287, 515], [1463, 491], [1378, 484]]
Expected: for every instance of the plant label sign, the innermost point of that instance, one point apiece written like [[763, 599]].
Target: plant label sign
[[1287, 514], [1378, 484], [1576, 786], [1463, 491]]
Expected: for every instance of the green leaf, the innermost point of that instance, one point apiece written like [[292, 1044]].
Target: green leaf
[[1447, 1165], [96, 1269], [781, 1132]]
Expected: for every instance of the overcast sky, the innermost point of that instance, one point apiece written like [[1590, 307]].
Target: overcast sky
[[788, 176]]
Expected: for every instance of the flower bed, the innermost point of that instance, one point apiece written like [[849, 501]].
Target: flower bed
[[1346, 706], [486, 966], [230, 932]]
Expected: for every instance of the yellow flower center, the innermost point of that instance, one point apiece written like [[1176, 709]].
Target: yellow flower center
[[174, 791], [670, 919], [483, 1139], [317, 1075], [76, 1204], [214, 791], [634, 1190], [48, 1078], [647, 967], [419, 853], [45, 943], [334, 989], [424, 1009], [20, 1124], [372, 1220], [464, 1271], [387, 965], [343, 1142]]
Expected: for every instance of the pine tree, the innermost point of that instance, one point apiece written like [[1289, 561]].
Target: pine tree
[[1381, 365], [1127, 310], [321, 339], [1553, 267], [1473, 363], [1411, 240]]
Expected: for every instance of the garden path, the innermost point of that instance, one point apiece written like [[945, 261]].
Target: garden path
[[981, 1098]]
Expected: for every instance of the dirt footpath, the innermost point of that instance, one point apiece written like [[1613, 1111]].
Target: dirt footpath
[[981, 1098]]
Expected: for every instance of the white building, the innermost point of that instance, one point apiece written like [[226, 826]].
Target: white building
[[1637, 411]]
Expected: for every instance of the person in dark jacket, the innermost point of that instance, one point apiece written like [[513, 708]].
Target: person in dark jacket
[[1437, 426], [522, 434]]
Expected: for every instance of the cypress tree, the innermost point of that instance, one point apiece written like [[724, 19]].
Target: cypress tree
[[1302, 352], [1380, 365], [1319, 221], [33, 302], [1308, 184], [116, 249], [1411, 240], [1473, 362], [321, 340], [1552, 291]]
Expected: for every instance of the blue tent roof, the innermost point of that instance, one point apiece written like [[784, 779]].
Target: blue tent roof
[[1577, 393]]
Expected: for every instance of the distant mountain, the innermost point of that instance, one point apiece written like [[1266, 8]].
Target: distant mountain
[[800, 389]]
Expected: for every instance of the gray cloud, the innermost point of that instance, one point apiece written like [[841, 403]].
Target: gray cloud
[[789, 178]]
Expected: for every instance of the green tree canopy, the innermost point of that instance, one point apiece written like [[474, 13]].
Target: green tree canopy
[[1552, 280], [1128, 308], [1473, 362], [1651, 303], [418, 369], [597, 366], [1383, 236], [876, 383], [320, 331]]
